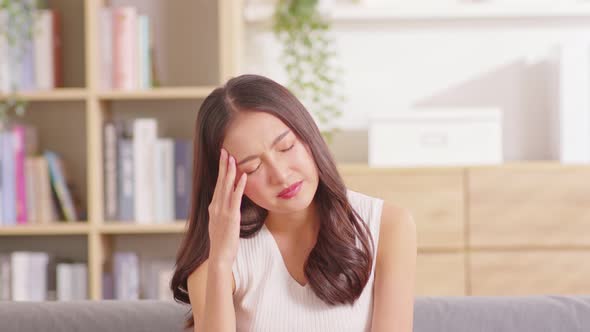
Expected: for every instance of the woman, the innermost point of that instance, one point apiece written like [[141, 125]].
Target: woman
[[275, 241]]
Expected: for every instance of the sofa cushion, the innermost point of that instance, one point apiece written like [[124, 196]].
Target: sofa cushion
[[543, 313]]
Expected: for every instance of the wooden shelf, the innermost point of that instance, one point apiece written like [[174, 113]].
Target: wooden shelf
[[158, 93], [130, 228], [81, 228], [60, 94], [359, 13]]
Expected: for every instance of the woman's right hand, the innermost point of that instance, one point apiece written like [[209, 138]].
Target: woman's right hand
[[224, 213]]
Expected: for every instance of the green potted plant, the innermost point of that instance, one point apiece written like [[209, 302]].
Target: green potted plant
[[302, 29], [18, 16]]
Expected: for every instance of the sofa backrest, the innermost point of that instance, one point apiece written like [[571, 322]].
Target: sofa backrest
[[543, 313], [92, 316], [432, 314]]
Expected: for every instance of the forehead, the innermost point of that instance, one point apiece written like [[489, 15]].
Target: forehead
[[250, 131]]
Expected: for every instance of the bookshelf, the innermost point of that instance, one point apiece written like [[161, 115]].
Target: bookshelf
[[196, 49], [60, 94]]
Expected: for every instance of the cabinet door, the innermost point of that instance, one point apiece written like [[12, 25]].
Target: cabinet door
[[440, 274], [530, 272], [433, 196], [529, 206]]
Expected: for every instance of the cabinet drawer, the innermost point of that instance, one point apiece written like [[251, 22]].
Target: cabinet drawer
[[530, 272], [529, 206], [434, 197], [440, 274]]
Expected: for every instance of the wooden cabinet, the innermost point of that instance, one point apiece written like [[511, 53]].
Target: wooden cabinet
[[529, 206], [441, 274], [435, 198], [514, 229]]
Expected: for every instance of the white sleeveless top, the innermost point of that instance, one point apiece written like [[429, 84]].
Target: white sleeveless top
[[267, 298]]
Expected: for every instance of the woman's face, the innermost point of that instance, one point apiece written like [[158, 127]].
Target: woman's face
[[274, 159]]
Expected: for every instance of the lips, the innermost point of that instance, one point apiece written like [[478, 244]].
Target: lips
[[291, 190]]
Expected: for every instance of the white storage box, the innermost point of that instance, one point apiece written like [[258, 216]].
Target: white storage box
[[436, 137]]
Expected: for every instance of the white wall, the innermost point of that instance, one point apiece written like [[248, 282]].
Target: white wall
[[392, 65]]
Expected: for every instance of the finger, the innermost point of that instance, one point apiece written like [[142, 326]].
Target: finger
[[221, 174], [239, 192], [229, 180]]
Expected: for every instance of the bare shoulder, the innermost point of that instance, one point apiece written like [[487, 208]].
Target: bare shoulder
[[397, 231], [197, 286], [395, 271]]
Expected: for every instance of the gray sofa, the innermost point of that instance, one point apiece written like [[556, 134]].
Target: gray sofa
[[432, 314]]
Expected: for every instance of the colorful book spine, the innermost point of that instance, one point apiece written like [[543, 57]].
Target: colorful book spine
[[164, 184], [144, 68], [32, 189], [19, 168], [126, 183], [182, 177], [60, 186], [110, 172], [2, 185], [106, 49], [8, 179], [125, 48]]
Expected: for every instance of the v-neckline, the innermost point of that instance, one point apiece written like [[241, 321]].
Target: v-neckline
[[279, 255]]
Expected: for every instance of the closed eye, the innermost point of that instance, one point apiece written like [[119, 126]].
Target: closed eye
[[284, 150], [254, 170], [289, 148]]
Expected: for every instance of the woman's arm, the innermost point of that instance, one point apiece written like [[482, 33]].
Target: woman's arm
[[212, 284], [210, 289], [393, 301]]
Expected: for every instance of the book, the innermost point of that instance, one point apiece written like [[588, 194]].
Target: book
[[125, 48], [145, 133], [144, 56], [106, 49], [111, 208], [126, 275], [18, 142], [8, 178], [47, 54], [5, 72], [183, 156], [164, 182], [59, 185], [126, 184]]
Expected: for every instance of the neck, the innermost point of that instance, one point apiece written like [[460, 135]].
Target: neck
[[300, 223]]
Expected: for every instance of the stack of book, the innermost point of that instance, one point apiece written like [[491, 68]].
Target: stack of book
[[125, 49], [33, 62], [146, 178], [131, 280], [33, 188], [36, 276]]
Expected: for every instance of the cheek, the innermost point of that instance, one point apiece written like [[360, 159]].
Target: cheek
[[305, 157], [253, 186]]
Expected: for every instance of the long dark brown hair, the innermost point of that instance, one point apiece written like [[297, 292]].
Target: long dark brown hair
[[339, 265]]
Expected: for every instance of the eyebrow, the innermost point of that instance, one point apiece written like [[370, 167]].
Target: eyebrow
[[276, 140]]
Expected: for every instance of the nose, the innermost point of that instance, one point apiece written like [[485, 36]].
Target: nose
[[277, 172]]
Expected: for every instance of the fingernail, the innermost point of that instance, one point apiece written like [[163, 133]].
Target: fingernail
[[231, 159], [223, 153]]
